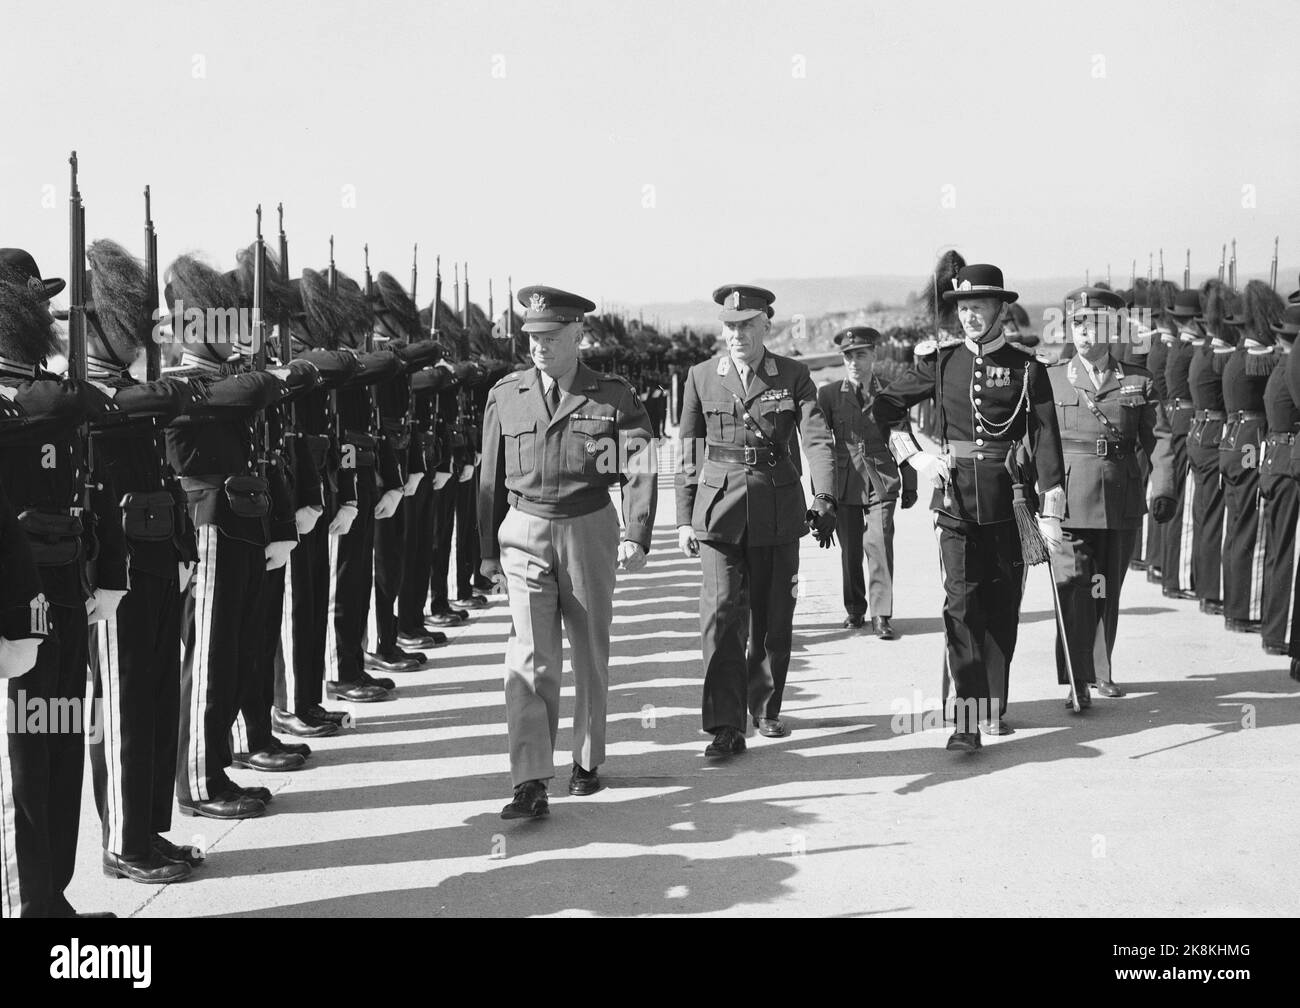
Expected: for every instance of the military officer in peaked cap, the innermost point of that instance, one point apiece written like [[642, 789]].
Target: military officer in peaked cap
[[867, 483], [741, 509], [556, 438], [989, 396], [1106, 411]]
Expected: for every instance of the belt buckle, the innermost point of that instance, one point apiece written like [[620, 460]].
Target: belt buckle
[[1102, 448], [751, 455]]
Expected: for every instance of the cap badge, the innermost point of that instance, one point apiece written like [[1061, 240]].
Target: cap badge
[[537, 303], [733, 301]]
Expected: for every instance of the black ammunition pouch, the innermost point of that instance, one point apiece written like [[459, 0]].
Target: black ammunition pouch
[[149, 516], [248, 496], [318, 445], [55, 539]]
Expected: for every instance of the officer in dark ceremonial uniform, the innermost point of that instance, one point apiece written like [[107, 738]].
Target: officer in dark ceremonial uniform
[[1176, 562], [741, 509], [1279, 490], [69, 520], [989, 395], [1106, 412], [867, 483], [556, 439]]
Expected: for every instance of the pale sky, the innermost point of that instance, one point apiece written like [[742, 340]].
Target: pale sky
[[792, 139]]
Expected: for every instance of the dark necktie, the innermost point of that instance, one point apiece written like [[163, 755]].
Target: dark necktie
[[858, 392], [553, 399]]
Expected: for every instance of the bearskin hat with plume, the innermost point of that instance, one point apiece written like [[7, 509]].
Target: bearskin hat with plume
[[1263, 307], [941, 279], [120, 296], [27, 330], [192, 281], [277, 295], [323, 319], [1218, 301], [403, 318]]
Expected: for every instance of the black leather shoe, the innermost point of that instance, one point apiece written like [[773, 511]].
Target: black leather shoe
[[382, 683], [996, 726], [1212, 607], [420, 641], [530, 801], [964, 741], [260, 793], [446, 617], [230, 805], [852, 622], [1137, 565], [1155, 575], [1176, 593], [770, 727], [1109, 689], [357, 692], [1276, 649], [294, 724], [583, 782], [473, 602], [168, 851], [156, 871], [1085, 698], [883, 628], [301, 748], [1241, 625], [270, 761], [391, 663], [727, 742], [316, 713]]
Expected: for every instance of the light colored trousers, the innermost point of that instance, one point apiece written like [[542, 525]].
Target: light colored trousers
[[557, 568]]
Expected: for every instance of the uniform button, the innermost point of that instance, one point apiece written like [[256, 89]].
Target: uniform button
[[979, 374], [979, 429], [977, 387], [979, 360], [979, 441], [980, 456], [978, 400]]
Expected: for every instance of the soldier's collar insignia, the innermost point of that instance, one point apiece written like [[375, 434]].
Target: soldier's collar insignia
[[724, 365], [770, 366], [537, 303]]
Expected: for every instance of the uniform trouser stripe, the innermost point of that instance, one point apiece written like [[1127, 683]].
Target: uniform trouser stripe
[[331, 636], [110, 713], [1295, 588], [945, 672], [1188, 531], [286, 667], [1257, 561], [11, 899], [204, 588]]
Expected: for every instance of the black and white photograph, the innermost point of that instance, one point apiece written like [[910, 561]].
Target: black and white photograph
[[727, 458]]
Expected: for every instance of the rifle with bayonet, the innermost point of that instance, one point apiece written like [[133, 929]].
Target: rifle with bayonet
[[78, 364], [152, 348], [258, 345], [286, 319]]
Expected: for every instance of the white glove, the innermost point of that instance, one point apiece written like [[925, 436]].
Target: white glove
[[277, 553], [631, 557], [184, 575], [17, 657], [342, 523], [412, 483], [441, 479], [102, 605], [466, 474], [1051, 531], [387, 506], [931, 466], [686, 541], [491, 569], [305, 518]]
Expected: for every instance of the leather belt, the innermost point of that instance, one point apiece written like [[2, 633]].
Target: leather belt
[[1101, 447], [750, 456], [1210, 414], [360, 439], [1242, 416], [1176, 404], [1280, 437], [979, 450]]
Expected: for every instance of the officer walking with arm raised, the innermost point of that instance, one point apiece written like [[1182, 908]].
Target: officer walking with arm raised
[[555, 439], [741, 509]]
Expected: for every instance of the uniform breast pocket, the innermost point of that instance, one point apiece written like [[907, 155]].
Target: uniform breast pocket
[[520, 446], [778, 416], [592, 446], [720, 420], [1068, 413]]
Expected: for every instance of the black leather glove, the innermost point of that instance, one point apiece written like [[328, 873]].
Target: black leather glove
[[909, 498], [821, 520], [1163, 508]]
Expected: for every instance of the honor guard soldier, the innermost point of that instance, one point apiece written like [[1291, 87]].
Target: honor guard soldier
[[989, 395], [556, 439], [70, 522], [1278, 489], [867, 484], [1187, 336], [1106, 411], [1205, 379], [741, 509], [135, 654]]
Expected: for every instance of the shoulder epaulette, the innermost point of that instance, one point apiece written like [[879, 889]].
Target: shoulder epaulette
[[609, 376], [925, 347], [1027, 351]]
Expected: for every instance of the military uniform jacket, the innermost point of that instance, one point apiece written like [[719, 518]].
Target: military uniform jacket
[[865, 471], [563, 466], [1011, 389], [1283, 419], [365, 453], [1105, 474], [312, 443], [763, 504], [22, 604], [429, 433], [1245, 376], [1205, 382]]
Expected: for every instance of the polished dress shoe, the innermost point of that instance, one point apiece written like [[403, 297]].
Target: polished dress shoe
[[883, 628], [1107, 688], [300, 725], [270, 760], [260, 793], [156, 871], [420, 640], [1155, 575], [1212, 607], [1241, 625], [228, 805], [446, 617], [357, 692], [727, 742], [317, 713], [379, 681], [852, 622], [1137, 565], [583, 782], [473, 602], [530, 801], [996, 726], [1085, 698], [964, 741], [1276, 649], [391, 662], [301, 748], [1176, 593], [169, 851], [770, 727]]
